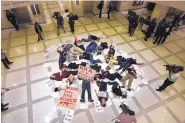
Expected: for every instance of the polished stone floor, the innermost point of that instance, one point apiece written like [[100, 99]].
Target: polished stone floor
[[29, 95]]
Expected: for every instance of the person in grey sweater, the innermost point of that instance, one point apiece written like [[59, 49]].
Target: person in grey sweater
[[5, 60]]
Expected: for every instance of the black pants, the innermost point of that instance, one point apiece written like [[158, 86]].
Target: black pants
[[129, 29], [86, 86], [164, 38], [6, 62], [72, 27], [103, 86], [108, 13], [39, 36], [15, 24], [166, 83], [100, 13], [158, 39]]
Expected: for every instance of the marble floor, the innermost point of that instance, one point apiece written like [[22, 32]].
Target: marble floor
[[30, 99]]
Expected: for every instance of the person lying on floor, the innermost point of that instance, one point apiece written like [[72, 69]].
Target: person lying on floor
[[111, 76], [102, 93], [91, 38], [78, 43], [131, 74], [89, 56], [101, 47], [64, 55], [71, 48], [116, 90], [64, 73], [112, 61], [73, 65], [127, 63]]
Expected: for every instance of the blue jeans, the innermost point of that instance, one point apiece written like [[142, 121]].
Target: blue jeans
[[88, 39], [124, 66]]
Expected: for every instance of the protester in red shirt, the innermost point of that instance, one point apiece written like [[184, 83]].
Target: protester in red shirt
[[64, 73]]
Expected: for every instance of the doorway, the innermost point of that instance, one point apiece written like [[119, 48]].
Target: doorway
[[21, 15], [88, 7]]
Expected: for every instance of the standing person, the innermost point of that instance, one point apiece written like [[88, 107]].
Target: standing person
[[72, 18], [159, 26], [5, 60], [86, 85], [146, 24], [174, 74], [134, 26], [174, 22], [129, 76], [160, 34], [150, 29], [109, 8], [100, 7], [130, 21], [11, 18], [166, 34], [60, 23], [38, 30]]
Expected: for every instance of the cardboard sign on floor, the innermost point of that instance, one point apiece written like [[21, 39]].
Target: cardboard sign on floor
[[86, 73], [68, 97], [69, 116], [98, 107]]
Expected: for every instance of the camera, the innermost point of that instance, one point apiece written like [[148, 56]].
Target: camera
[[123, 107], [174, 68]]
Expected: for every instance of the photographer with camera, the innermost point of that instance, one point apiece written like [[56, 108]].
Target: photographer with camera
[[174, 74], [127, 115]]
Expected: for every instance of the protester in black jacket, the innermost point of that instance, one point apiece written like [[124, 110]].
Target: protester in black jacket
[[72, 18], [160, 35], [109, 8], [38, 30], [159, 25], [100, 7], [150, 29], [11, 18]]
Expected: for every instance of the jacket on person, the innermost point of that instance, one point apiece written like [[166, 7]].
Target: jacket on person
[[11, 17], [91, 47], [151, 28], [37, 28], [100, 5]]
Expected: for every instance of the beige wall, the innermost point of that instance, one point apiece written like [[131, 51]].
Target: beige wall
[[96, 10], [175, 4], [36, 18], [78, 9], [127, 5], [160, 11], [4, 22]]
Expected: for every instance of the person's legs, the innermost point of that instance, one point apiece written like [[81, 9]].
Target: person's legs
[[130, 81], [83, 92], [156, 40], [108, 14], [63, 28], [15, 25], [159, 41], [166, 83], [89, 91], [124, 80], [5, 63], [129, 29], [164, 38], [100, 13], [72, 27], [132, 32], [111, 62], [58, 30]]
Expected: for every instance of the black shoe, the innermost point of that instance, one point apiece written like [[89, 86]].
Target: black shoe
[[7, 68], [38, 40], [145, 39], [5, 105], [4, 109], [10, 62], [42, 39], [90, 100], [158, 90], [129, 89], [82, 100]]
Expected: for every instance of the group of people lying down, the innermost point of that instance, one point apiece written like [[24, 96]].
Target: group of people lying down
[[77, 51]]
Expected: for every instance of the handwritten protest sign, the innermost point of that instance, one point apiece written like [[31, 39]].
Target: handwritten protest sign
[[86, 73], [69, 116], [68, 97]]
